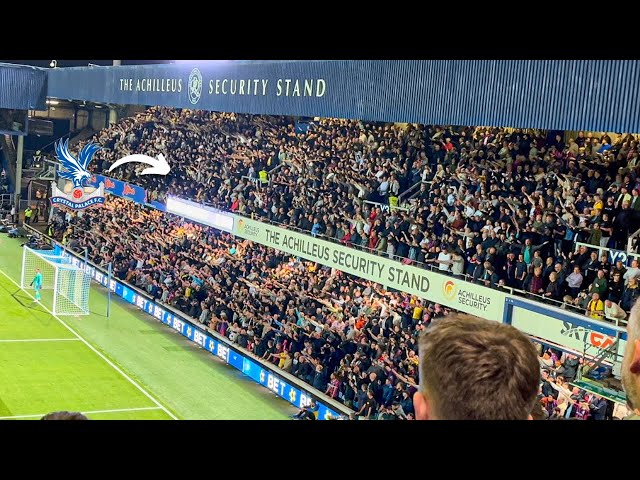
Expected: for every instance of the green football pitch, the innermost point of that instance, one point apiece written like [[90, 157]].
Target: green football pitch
[[127, 366]]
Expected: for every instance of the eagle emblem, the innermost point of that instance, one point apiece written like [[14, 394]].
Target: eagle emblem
[[72, 168]]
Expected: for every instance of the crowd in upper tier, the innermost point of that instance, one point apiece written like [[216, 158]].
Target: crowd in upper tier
[[501, 207]]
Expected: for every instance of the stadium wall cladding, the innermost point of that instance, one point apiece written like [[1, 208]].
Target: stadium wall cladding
[[590, 95], [22, 87]]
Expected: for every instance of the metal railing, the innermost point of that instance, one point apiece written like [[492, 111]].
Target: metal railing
[[276, 168], [618, 322], [632, 237], [601, 250], [48, 170], [256, 181], [409, 190], [386, 207]]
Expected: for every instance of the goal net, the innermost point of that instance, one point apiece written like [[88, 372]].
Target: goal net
[[69, 285]]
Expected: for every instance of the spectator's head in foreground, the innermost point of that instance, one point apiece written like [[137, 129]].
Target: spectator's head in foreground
[[64, 415], [631, 361], [475, 369]]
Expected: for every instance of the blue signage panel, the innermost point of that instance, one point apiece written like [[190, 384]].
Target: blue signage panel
[[451, 92], [624, 257], [119, 188]]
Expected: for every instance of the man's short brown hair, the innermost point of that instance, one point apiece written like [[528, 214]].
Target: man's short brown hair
[[64, 415], [630, 367], [475, 369]]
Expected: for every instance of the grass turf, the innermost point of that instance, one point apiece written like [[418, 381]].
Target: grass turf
[[42, 376]]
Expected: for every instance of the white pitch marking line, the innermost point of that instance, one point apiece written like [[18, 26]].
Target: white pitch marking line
[[42, 340], [87, 413], [133, 382]]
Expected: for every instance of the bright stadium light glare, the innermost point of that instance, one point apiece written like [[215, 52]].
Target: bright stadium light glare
[[191, 62], [204, 215]]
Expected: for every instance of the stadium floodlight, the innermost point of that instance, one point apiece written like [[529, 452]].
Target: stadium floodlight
[[70, 284]]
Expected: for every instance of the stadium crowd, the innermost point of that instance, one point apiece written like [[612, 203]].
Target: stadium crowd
[[344, 336], [336, 332], [499, 207]]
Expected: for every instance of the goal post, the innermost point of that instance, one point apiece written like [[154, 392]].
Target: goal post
[[69, 283]]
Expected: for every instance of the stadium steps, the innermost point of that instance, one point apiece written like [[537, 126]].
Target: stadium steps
[[81, 135]]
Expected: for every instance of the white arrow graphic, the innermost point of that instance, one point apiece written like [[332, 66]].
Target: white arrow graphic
[[159, 166]]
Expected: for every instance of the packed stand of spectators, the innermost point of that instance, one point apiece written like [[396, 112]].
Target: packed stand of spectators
[[499, 207], [560, 400], [344, 336]]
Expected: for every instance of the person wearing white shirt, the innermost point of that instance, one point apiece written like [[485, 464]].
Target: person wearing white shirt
[[384, 187], [394, 186], [451, 198], [457, 264], [632, 271], [487, 227], [613, 311], [444, 260], [371, 140], [561, 386], [469, 210]]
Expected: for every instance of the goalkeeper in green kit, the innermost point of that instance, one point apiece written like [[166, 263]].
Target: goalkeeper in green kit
[[37, 284]]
